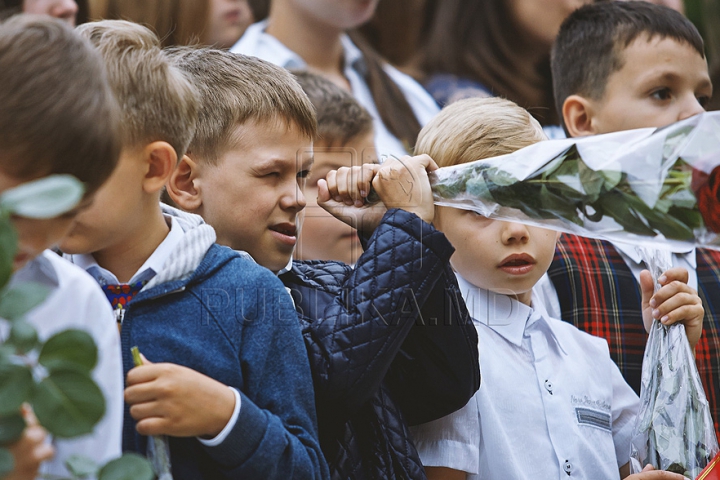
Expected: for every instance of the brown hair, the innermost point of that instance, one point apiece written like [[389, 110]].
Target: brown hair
[[234, 89], [592, 39], [477, 128], [340, 118], [475, 40], [158, 102], [176, 22], [57, 113]]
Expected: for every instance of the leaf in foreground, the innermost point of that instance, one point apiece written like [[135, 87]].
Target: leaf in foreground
[[69, 349], [130, 466], [68, 403], [16, 383]]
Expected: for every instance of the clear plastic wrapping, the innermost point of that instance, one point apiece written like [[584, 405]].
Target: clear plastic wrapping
[[647, 187]]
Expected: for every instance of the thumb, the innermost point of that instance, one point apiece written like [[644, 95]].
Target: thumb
[[145, 360], [647, 286]]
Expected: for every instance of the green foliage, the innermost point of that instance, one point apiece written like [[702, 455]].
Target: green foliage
[[54, 378]]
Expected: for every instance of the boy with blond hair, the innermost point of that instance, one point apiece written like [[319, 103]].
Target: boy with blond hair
[[618, 66], [58, 116], [345, 139], [552, 401], [183, 299], [388, 341]]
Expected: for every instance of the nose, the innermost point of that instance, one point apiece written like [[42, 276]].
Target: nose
[[691, 107], [66, 10], [515, 233], [292, 197]]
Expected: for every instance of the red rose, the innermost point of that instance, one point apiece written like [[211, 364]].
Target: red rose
[[708, 197]]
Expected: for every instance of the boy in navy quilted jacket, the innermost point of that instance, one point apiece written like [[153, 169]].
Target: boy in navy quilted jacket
[[213, 313], [388, 341]]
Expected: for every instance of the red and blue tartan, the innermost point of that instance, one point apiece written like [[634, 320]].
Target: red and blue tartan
[[598, 293]]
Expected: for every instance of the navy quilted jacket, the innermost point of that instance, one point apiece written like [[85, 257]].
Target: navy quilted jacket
[[390, 345]]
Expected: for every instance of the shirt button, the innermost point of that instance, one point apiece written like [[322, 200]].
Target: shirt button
[[567, 467], [549, 386]]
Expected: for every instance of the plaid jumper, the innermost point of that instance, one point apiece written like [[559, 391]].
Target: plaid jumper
[[598, 293]]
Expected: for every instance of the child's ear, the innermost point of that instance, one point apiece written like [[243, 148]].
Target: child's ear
[[161, 160], [183, 187], [577, 113]]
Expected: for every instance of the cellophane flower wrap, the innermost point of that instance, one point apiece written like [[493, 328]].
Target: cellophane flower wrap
[[646, 187], [653, 188]]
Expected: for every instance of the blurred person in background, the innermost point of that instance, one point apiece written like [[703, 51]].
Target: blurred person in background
[[217, 23], [73, 12], [495, 48]]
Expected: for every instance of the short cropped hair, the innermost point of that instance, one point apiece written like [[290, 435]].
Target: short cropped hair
[[157, 101], [591, 41], [477, 128], [57, 113], [235, 89], [340, 118]]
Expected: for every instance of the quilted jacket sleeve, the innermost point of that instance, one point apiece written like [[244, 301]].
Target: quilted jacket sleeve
[[356, 335]]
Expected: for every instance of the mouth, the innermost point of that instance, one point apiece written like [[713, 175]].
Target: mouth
[[233, 16], [517, 264], [285, 233]]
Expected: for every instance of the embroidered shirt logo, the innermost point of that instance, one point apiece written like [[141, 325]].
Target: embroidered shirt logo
[[593, 418], [587, 402]]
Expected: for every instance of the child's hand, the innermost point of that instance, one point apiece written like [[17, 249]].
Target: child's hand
[[30, 451], [343, 194], [168, 399], [674, 302], [403, 183], [649, 473]]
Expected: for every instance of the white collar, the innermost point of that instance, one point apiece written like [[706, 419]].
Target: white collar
[[39, 270], [264, 45], [633, 253], [506, 316], [152, 266]]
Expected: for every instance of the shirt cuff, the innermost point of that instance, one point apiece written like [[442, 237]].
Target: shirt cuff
[[214, 442]]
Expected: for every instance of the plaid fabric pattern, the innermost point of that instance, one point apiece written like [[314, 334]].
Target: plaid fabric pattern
[[599, 294]]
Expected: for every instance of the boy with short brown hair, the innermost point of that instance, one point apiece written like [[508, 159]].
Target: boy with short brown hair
[[219, 318], [617, 66], [58, 116], [388, 342], [345, 139]]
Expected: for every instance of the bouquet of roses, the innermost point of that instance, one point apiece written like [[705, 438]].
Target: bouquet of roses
[[642, 186]]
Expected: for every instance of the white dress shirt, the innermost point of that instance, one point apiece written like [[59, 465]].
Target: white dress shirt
[[147, 271], [551, 404], [259, 44], [76, 301]]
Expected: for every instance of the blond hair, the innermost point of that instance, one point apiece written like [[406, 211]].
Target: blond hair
[[158, 103], [477, 128], [235, 89]]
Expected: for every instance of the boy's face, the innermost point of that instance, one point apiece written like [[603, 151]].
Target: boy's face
[[252, 197], [115, 215], [504, 257], [662, 81], [323, 236], [36, 235]]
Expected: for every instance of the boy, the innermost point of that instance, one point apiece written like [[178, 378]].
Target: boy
[[387, 347], [182, 299], [623, 65], [552, 401], [345, 139], [57, 115]]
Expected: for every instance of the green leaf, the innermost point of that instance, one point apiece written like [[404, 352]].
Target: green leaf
[[8, 247], [23, 336], [81, 466], [130, 466], [47, 197], [68, 403], [591, 180], [6, 462], [19, 299], [11, 428], [16, 384], [69, 349]]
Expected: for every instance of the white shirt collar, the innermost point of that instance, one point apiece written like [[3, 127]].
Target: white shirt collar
[[631, 252], [39, 270], [147, 271], [268, 47], [506, 316]]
